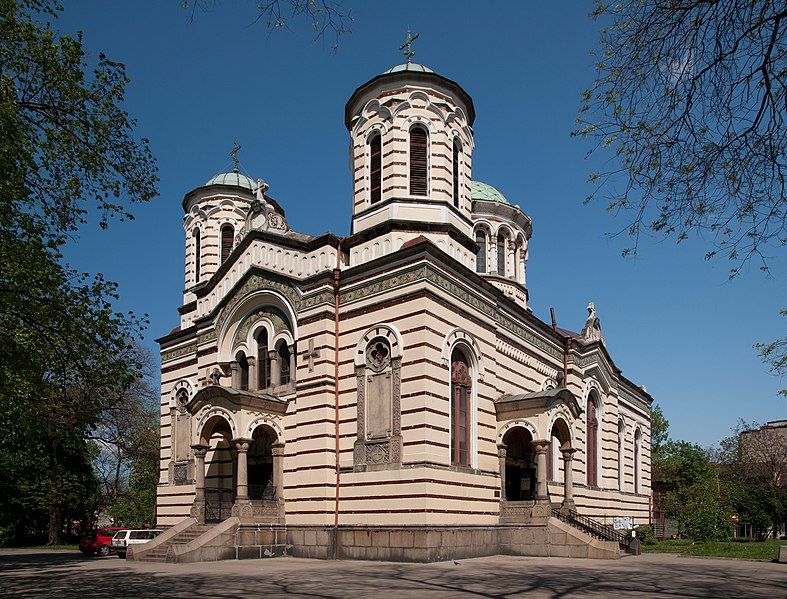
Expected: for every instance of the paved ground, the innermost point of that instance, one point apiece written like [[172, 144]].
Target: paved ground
[[69, 575]]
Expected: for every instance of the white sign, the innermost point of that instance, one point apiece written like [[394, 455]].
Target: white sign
[[622, 523]]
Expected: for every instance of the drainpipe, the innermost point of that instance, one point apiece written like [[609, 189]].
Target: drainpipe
[[336, 275]]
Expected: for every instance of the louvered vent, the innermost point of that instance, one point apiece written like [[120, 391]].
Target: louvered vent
[[418, 163], [227, 235], [376, 168]]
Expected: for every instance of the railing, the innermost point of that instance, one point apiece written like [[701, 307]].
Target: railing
[[596, 529], [264, 492], [218, 505]]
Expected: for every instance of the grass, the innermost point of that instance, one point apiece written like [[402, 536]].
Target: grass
[[759, 550], [73, 547]]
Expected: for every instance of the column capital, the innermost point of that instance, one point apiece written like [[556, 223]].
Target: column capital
[[277, 448], [242, 444], [200, 450], [540, 445], [568, 452], [502, 450]]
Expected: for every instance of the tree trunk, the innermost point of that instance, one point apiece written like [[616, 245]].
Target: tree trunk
[[55, 536]]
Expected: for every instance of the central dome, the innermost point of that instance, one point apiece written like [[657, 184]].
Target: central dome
[[409, 66], [233, 179], [487, 193]]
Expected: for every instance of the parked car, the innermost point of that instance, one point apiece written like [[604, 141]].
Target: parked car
[[124, 538], [99, 542]]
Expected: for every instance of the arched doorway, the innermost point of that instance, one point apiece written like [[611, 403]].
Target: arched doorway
[[520, 465], [260, 464], [220, 472], [560, 438]]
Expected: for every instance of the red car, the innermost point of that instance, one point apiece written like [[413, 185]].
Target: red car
[[99, 542]]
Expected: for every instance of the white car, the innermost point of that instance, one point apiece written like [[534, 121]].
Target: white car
[[124, 538]]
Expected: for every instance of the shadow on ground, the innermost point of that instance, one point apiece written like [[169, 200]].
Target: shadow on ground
[[71, 576]]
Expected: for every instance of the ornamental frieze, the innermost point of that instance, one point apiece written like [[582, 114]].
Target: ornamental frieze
[[178, 352]]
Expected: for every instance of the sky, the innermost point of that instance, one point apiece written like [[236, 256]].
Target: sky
[[672, 321]]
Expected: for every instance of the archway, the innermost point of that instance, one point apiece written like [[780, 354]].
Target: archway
[[560, 438], [520, 465], [260, 463], [219, 468]]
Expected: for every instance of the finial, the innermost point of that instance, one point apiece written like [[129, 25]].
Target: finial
[[407, 46], [234, 155]]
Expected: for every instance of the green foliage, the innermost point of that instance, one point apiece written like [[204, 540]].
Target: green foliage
[[700, 500], [764, 550], [659, 437], [645, 534], [774, 354], [66, 150]]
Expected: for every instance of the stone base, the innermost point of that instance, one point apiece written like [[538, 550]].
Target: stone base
[[254, 542]]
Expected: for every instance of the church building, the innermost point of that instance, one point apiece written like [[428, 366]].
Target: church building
[[388, 394]]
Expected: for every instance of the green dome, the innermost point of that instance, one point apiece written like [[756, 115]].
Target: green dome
[[409, 66], [233, 179], [487, 193]]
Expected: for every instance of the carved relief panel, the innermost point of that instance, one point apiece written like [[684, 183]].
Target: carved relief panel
[[379, 440]]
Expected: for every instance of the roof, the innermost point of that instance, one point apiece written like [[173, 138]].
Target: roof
[[235, 179], [409, 66], [487, 193]]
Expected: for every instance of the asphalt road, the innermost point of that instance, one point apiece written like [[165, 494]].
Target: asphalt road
[[69, 575]]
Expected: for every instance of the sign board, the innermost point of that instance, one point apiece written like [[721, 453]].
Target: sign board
[[622, 523]]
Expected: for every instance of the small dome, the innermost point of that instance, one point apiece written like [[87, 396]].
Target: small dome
[[487, 193], [233, 179], [409, 66]]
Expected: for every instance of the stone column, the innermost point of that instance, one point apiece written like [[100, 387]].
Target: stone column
[[542, 492], [242, 506], [293, 356], [277, 449], [198, 507], [501, 457], [235, 374], [275, 376], [568, 480], [253, 377], [511, 260]]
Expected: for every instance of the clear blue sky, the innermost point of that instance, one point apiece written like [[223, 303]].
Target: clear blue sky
[[672, 322]]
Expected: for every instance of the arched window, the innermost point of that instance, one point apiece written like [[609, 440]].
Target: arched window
[[227, 237], [591, 443], [501, 254], [243, 367], [480, 257], [197, 254], [263, 360], [419, 168], [457, 149], [461, 399], [637, 452], [376, 167], [621, 456], [284, 363]]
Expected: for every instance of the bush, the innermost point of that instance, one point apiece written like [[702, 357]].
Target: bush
[[644, 534]]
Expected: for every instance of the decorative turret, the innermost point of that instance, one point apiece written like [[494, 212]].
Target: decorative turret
[[411, 146]]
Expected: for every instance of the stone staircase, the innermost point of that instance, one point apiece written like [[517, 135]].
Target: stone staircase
[[159, 553]]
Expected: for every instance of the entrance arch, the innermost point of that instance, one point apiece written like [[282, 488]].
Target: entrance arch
[[520, 469], [560, 439], [260, 461], [219, 465]]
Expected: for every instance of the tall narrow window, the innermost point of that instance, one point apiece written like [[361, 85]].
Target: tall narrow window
[[637, 444], [263, 360], [227, 236], [501, 255], [591, 444], [197, 255], [461, 389], [284, 363], [419, 144], [243, 365], [456, 172], [480, 257], [376, 167]]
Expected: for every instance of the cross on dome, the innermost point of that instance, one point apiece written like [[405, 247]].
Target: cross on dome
[[407, 46], [234, 155]]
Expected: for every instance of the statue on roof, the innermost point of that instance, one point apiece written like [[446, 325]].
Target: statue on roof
[[592, 330]]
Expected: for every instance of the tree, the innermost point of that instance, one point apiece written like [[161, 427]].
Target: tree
[[689, 96], [325, 17], [67, 149], [659, 437]]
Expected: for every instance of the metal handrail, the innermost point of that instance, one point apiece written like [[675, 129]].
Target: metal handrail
[[594, 528]]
